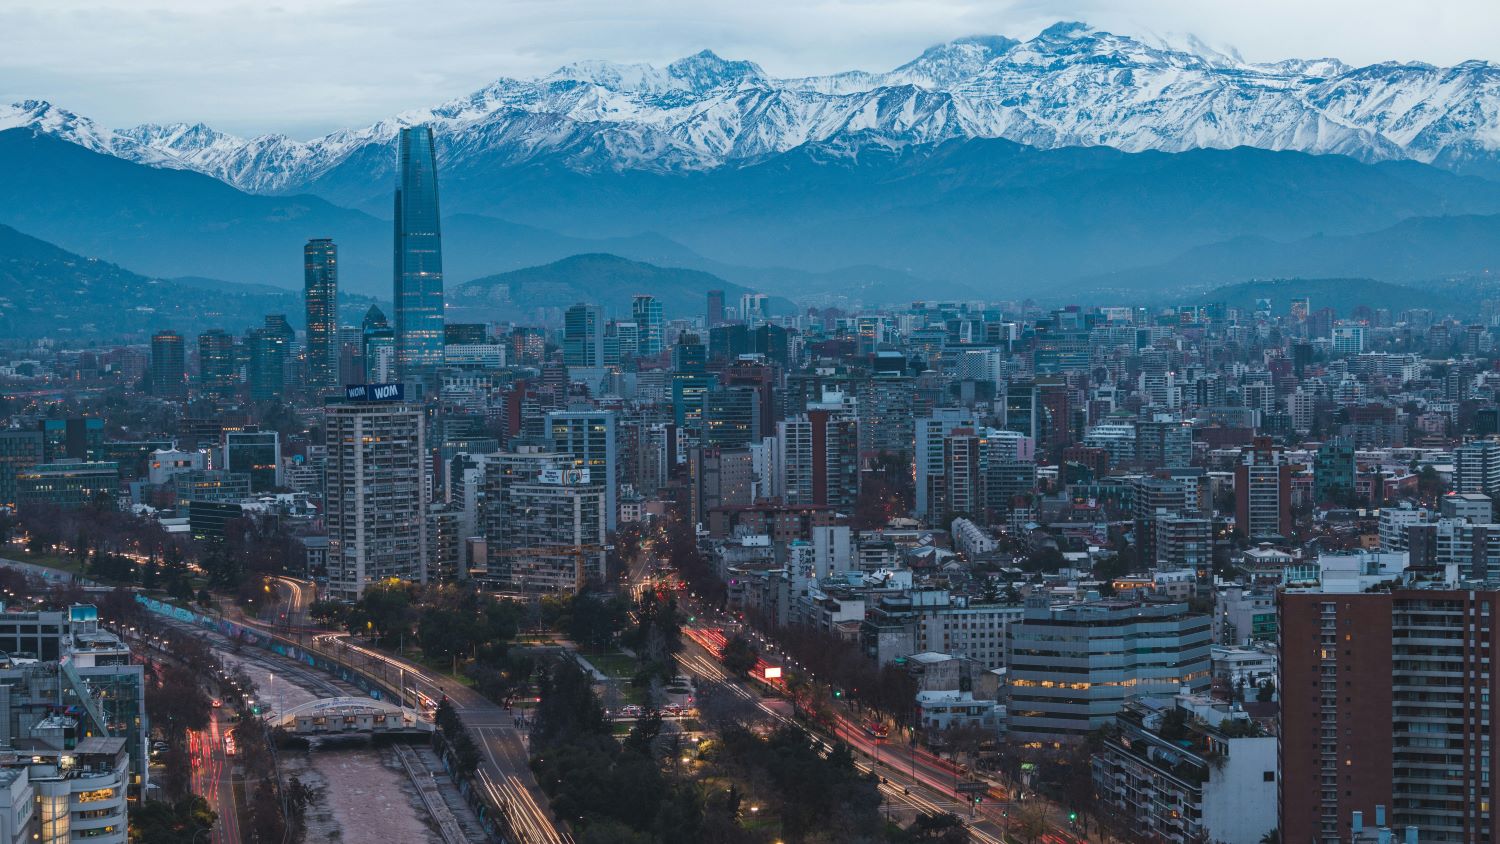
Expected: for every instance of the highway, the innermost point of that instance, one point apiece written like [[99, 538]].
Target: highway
[[212, 776], [505, 770], [505, 762], [929, 792], [918, 772]]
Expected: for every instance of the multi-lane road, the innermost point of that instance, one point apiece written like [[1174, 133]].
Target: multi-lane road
[[504, 771], [213, 779]]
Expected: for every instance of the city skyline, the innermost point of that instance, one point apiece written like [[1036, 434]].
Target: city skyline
[[1086, 436]]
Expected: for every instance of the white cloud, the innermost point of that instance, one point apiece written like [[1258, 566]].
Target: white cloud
[[309, 66]]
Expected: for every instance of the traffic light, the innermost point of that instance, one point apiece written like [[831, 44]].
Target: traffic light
[[1072, 817], [838, 692]]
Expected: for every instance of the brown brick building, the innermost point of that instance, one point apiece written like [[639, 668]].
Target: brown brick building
[[1388, 700]]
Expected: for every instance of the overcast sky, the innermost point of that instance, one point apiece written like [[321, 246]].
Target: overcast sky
[[305, 67]]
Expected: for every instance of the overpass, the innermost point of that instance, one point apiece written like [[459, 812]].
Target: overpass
[[346, 715]]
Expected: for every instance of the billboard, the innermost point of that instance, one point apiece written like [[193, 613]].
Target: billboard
[[375, 392]]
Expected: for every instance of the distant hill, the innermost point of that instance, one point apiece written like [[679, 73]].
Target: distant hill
[[607, 280], [1414, 250], [46, 291], [177, 223], [1341, 294]]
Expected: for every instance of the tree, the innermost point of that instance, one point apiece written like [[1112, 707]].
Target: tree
[[1029, 822], [739, 655], [1267, 692], [161, 822], [946, 828], [384, 609]]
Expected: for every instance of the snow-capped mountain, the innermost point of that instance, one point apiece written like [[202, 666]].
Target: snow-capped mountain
[[1072, 85]]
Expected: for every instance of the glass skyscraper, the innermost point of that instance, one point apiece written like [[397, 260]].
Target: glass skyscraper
[[216, 364], [646, 310], [168, 366], [320, 262], [419, 259]]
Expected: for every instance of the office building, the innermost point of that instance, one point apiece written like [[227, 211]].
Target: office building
[[212, 485], [587, 439], [715, 315], [646, 311], [379, 347], [19, 450], [465, 334], [76, 438], [1163, 442], [218, 373], [583, 335], [720, 477], [1072, 667], [418, 292], [375, 489], [67, 484], [1333, 472], [269, 348], [320, 292], [168, 366], [257, 454], [732, 417], [1348, 339]]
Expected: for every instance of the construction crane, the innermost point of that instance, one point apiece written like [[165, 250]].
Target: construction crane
[[579, 553]]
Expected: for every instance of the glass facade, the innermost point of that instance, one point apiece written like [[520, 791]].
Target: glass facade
[[418, 290], [320, 261]]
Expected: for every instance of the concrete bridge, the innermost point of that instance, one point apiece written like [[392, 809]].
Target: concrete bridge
[[341, 715]]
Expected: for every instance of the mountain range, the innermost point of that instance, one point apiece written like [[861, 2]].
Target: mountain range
[[46, 291], [1076, 162], [1071, 85]]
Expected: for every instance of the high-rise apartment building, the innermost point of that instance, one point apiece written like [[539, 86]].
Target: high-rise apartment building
[[376, 509], [1388, 701], [1263, 492], [646, 311], [586, 438], [929, 435], [320, 291], [418, 293], [168, 366], [819, 457], [558, 518], [1477, 468]]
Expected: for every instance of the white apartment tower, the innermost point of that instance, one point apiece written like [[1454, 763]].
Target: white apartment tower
[[374, 482]]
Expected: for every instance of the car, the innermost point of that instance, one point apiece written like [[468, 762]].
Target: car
[[216, 703]]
